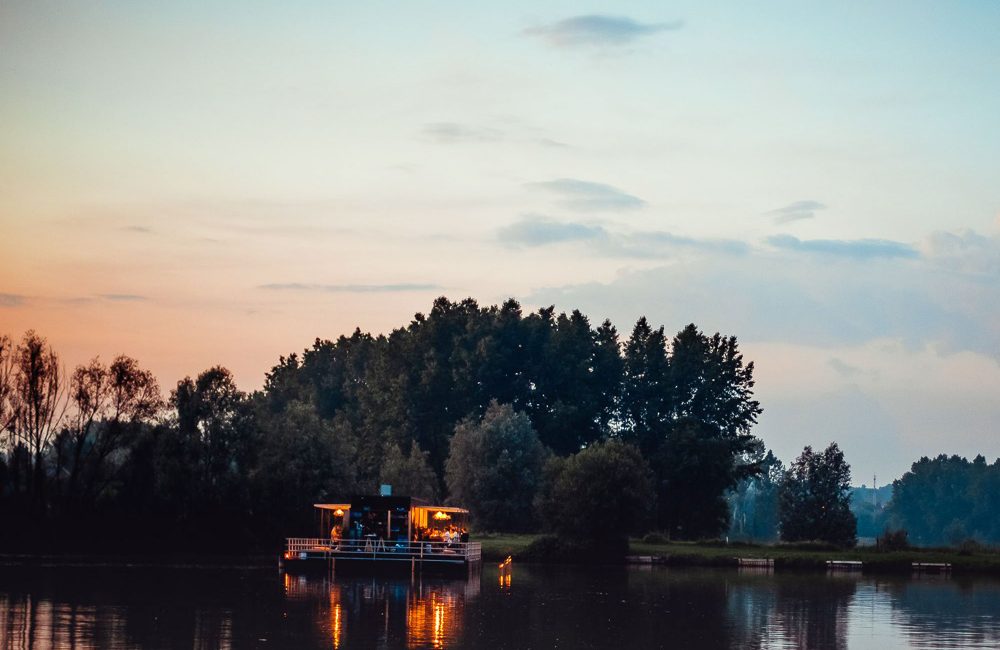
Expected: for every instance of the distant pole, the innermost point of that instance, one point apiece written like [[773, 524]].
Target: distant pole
[[874, 491]]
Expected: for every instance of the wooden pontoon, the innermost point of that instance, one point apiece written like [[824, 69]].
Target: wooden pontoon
[[373, 533]]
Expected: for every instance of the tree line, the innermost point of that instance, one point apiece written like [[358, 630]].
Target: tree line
[[533, 420]]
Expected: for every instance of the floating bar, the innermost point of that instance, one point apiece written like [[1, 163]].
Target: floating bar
[[762, 562], [932, 567]]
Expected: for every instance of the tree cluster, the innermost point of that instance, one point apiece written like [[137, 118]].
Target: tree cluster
[[814, 499], [467, 402], [948, 500]]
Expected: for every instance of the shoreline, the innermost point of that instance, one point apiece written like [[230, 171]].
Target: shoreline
[[497, 547]]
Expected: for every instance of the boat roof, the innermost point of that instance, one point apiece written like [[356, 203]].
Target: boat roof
[[347, 506]]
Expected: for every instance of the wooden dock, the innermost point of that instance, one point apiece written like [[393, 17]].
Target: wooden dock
[[932, 567], [844, 565], [755, 562]]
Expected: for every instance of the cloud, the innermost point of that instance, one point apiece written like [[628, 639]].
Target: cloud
[[587, 196], [452, 132], [596, 30], [139, 229], [538, 231], [965, 252], [11, 300], [857, 249], [843, 368], [123, 297], [350, 288], [783, 296], [514, 132], [660, 243], [796, 211]]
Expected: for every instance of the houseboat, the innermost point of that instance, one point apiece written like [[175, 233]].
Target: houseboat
[[373, 533]]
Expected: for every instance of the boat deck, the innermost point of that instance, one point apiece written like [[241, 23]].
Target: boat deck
[[306, 552]]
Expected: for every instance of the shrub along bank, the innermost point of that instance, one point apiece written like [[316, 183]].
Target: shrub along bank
[[803, 556]]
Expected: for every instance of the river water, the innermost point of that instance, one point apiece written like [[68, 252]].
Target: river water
[[536, 607]]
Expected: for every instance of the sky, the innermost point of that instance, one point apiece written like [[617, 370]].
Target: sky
[[202, 183]]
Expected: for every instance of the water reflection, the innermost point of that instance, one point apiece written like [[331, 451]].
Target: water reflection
[[596, 607], [414, 612]]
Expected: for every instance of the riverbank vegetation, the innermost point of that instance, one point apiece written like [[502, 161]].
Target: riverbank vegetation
[[808, 556], [538, 422]]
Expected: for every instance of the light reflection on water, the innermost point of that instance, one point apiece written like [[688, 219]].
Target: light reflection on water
[[541, 607]]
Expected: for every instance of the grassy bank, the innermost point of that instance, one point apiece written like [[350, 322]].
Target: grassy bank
[[497, 547]]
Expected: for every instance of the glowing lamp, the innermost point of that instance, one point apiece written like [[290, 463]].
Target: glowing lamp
[[441, 516], [338, 512]]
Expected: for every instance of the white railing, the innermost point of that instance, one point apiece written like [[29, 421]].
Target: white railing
[[384, 549]]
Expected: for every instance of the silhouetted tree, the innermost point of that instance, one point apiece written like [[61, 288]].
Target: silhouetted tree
[[38, 405], [947, 500], [814, 499], [495, 467], [409, 475], [603, 493]]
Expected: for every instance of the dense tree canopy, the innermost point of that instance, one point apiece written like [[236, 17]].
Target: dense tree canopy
[[603, 493], [947, 500], [495, 468], [814, 499], [346, 414]]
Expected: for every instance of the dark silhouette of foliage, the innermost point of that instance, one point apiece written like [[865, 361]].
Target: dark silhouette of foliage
[[410, 474], [495, 468], [345, 414], [947, 500], [814, 500], [603, 493]]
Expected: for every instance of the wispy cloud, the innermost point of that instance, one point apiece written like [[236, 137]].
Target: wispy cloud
[[596, 30], [11, 300], [660, 243], [350, 288], [966, 252], [587, 196], [843, 368], [123, 297], [138, 229], [453, 132], [796, 211], [857, 249], [538, 230], [450, 133], [535, 230], [785, 296]]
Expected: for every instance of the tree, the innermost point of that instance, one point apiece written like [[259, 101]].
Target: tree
[[695, 466], [948, 499], [302, 459], [495, 468], [602, 493], [109, 402], [814, 499], [213, 440], [6, 394], [38, 404], [410, 475], [754, 502], [690, 411], [647, 395]]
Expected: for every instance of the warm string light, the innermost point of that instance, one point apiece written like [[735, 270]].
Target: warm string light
[[441, 516]]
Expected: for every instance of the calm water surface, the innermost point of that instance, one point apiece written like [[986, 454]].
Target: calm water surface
[[538, 607]]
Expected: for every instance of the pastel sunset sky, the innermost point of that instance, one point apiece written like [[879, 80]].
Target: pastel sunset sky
[[201, 183]]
